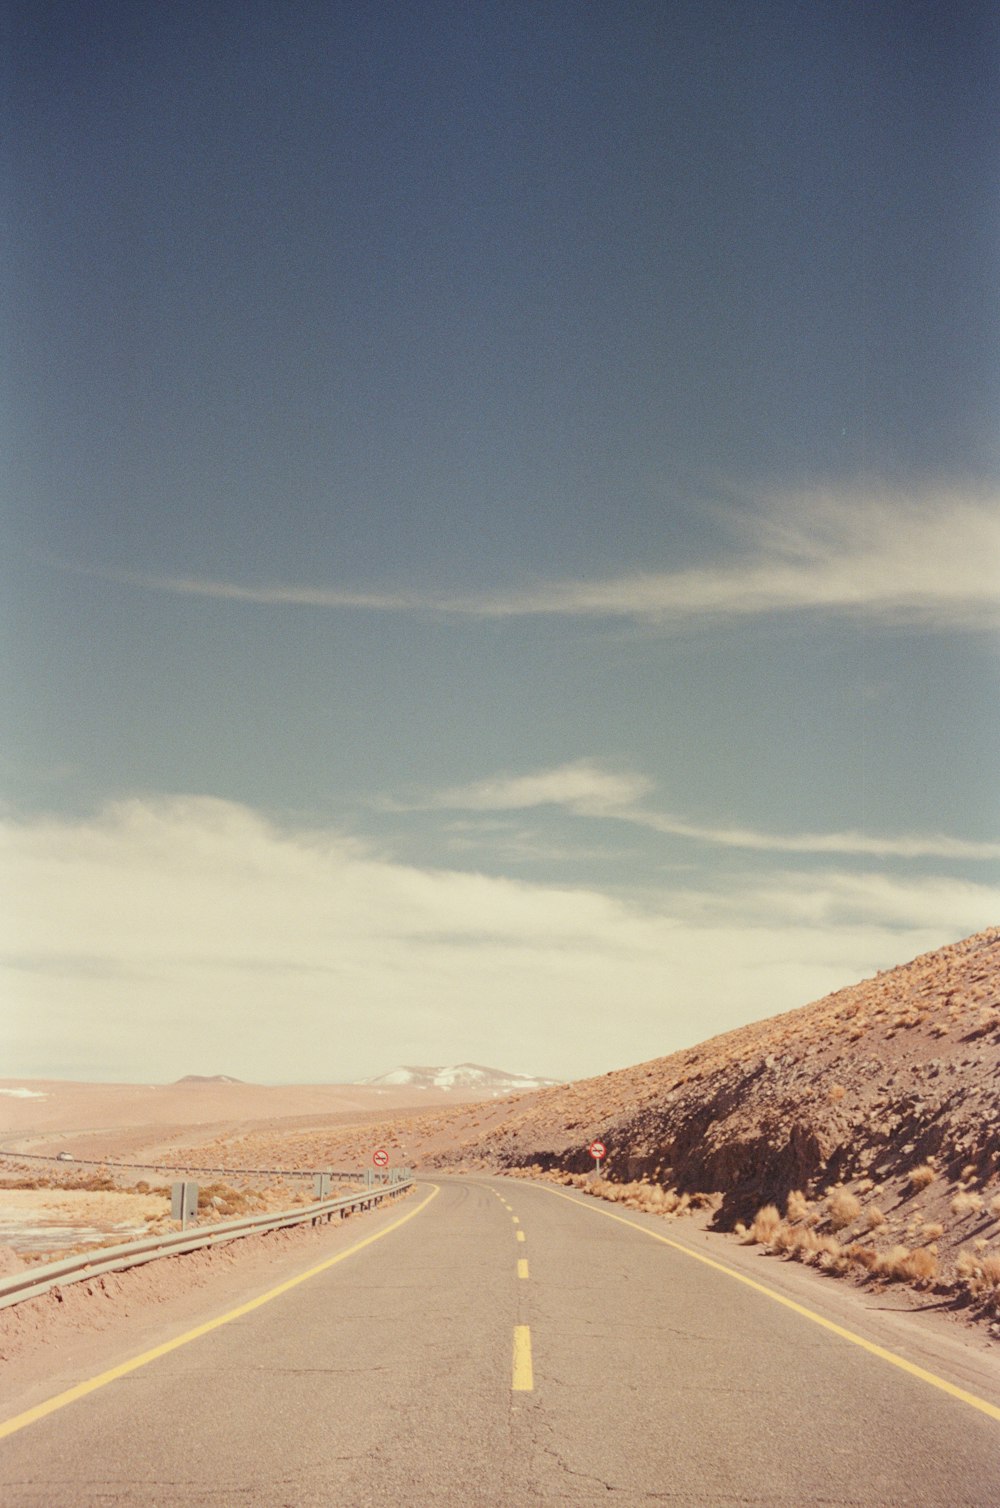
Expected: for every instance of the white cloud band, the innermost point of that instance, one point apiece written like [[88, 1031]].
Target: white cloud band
[[191, 935]]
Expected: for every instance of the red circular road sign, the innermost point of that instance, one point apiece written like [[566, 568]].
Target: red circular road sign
[[380, 1158], [598, 1150]]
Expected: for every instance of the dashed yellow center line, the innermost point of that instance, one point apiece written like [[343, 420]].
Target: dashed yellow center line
[[519, 1234], [522, 1380], [981, 1404], [522, 1267], [515, 1219], [60, 1400]]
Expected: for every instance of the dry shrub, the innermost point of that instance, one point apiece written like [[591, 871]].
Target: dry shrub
[[797, 1205], [980, 1275], [654, 1199], [640, 1196], [932, 1231], [596, 1188], [900, 1265], [786, 1237], [834, 1258], [968, 1171], [966, 1202], [765, 1226], [922, 1266], [890, 1263], [843, 1208], [922, 1176], [703, 1201], [837, 1092], [995, 1206], [875, 1217], [813, 1247]]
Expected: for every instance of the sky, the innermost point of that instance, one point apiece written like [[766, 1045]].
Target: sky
[[502, 524]]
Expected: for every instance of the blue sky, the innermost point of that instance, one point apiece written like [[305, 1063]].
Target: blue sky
[[502, 525]]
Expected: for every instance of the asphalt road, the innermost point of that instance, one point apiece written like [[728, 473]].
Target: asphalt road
[[503, 1344]]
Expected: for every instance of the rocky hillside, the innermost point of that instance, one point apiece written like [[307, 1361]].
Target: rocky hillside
[[877, 1109], [871, 1079]]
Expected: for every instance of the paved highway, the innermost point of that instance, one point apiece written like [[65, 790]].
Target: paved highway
[[490, 1342]]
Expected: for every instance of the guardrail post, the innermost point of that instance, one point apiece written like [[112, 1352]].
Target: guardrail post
[[184, 1202]]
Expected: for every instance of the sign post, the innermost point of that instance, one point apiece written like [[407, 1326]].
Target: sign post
[[597, 1150]]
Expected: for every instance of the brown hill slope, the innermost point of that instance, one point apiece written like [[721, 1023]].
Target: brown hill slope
[[871, 1079]]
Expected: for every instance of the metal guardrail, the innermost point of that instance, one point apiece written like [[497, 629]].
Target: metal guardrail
[[163, 1167], [33, 1282]]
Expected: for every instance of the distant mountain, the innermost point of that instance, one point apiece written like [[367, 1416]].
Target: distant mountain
[[460, 1076], [202, 1078]]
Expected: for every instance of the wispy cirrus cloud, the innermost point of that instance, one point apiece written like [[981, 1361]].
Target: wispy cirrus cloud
[[931, 560], [587, 790], [582, 786]]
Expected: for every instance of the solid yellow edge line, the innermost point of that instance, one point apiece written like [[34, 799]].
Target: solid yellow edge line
[[32, 1415], [523, 1378], [990, 1409]]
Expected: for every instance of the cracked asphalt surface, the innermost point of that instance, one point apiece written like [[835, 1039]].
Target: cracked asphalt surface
[[386, 1380]]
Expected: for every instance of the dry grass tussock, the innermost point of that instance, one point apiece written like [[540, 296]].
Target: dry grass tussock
[[766, 1224], [227, 1202], [923, 1176], [803, 1243], [979, 1275], [843, 1208], [98, 1182], [650, 1197], [902, 1265], [797, 1206]]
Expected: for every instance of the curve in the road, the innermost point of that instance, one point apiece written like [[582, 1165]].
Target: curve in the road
[[431, 1372]]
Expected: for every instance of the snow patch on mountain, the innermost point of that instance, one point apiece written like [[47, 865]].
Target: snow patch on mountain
[[460, 1076], [202, 1078]]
